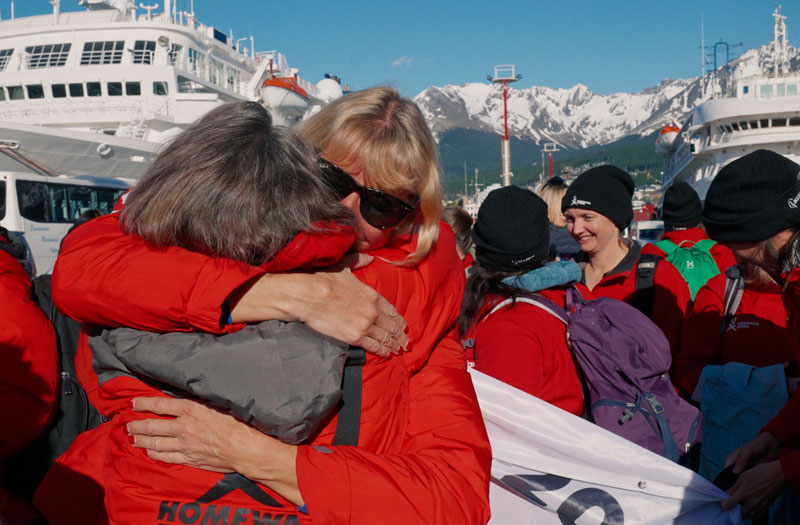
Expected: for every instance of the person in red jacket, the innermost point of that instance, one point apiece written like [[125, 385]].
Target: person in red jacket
[[520, 343], [683, 225], [419, 416], [597, 206], [28, 365], [752, 206], [755, 336]]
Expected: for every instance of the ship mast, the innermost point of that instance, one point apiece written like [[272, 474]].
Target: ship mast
[[780, 37]]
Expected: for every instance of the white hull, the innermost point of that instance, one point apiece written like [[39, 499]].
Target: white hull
[[72, 152]]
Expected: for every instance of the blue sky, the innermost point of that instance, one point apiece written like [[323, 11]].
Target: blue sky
[[608, 45]]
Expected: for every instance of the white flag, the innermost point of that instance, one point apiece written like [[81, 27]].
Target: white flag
[[550, 466]]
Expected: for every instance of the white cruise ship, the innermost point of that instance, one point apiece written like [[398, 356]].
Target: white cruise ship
[[96, 91], [750, 108]]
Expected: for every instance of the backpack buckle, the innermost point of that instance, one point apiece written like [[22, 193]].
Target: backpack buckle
[[654, 404]]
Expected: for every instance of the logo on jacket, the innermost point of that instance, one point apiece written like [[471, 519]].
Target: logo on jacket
[[578, 202], [203, 511], [690, 265], [736, 325]]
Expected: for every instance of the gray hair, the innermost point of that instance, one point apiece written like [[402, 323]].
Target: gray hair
[[231, 185]]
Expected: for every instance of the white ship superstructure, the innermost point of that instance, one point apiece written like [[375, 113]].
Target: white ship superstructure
[[749, 109], [97, 91]]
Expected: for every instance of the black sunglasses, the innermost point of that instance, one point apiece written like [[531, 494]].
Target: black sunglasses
[[378, 208]]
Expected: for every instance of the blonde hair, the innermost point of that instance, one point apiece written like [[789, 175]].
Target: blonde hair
[[384, 136], [552, 194]]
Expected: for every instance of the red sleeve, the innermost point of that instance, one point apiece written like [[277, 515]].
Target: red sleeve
[[723, 256], [672, 299], [439, 475], [107, 278], [508, 348], [791, 300], [785, 427], [28, 361], [700, 339]]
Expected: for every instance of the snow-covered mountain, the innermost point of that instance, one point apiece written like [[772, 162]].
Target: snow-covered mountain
[[576, 117]]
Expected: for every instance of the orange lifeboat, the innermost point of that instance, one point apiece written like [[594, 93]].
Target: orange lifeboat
[[286, 95], [666, 138]]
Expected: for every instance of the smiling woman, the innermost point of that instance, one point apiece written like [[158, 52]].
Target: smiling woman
[[597, 206]]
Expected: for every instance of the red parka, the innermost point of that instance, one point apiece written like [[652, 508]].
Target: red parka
[[526, 347], [756, 335], [722, 255], [786, 425], [671, 297], [423, 454], [28, 369]]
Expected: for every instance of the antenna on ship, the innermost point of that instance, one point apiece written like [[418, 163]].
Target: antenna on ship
[[781, 60], [505, 75], [549, 148]]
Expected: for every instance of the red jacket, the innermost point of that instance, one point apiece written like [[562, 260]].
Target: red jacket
[[671, 293], [28, 367], [756, 336], [526, 347], [423, 453], [785, 425], [722, 255]]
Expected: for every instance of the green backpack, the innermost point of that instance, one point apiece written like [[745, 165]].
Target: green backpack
[[693, 260]]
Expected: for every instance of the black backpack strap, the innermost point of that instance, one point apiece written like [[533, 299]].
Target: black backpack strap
[[645, 292], [734, 289], [349, 421]]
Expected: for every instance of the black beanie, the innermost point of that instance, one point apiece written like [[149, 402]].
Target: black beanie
[[512, 232], [753, 198], [605, 189], [681, 207]]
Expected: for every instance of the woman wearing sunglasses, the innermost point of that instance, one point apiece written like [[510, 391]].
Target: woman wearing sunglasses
[[422, 451]]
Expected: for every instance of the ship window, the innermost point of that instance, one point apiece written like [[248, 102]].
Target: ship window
[[216, 72], [746, 90], [133, 88], [114, 89], [160, 88], [197, 62], [46, 202], [764, 122], [743, 124], [102, 53], [735, 126], [791, 90], [93, 89], [781, 90], [76, 90], [15, 93], [2, 94], [794, 121], [234, 79], [5, 56], [753, 124], [778, 122], [175, 54], [35, 91], [766, 91], [728, 129], [143, 51], [59, 90], [50, 55]]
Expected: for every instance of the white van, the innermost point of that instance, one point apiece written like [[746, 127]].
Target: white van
[[42, 208], [644, 232]]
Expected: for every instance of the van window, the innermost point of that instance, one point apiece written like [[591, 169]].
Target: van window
[[64, 203]]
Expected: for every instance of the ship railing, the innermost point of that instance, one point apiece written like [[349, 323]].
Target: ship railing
[[97, 110]]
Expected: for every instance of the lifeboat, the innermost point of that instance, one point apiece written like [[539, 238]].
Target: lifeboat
[[666, 138], [285, 95]]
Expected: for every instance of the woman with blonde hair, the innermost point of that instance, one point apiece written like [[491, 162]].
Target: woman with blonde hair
[[562, 245], [420, 452]]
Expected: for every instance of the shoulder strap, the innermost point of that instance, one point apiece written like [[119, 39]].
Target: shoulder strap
[[536, 300], [705, 244], [666, 246], [645, 291], [349, 421], [734, 289]]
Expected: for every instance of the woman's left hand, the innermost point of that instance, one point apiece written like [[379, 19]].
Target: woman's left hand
[[198, 436], [756, 488]]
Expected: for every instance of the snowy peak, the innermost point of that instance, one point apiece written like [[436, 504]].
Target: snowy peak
[[577, 117]]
